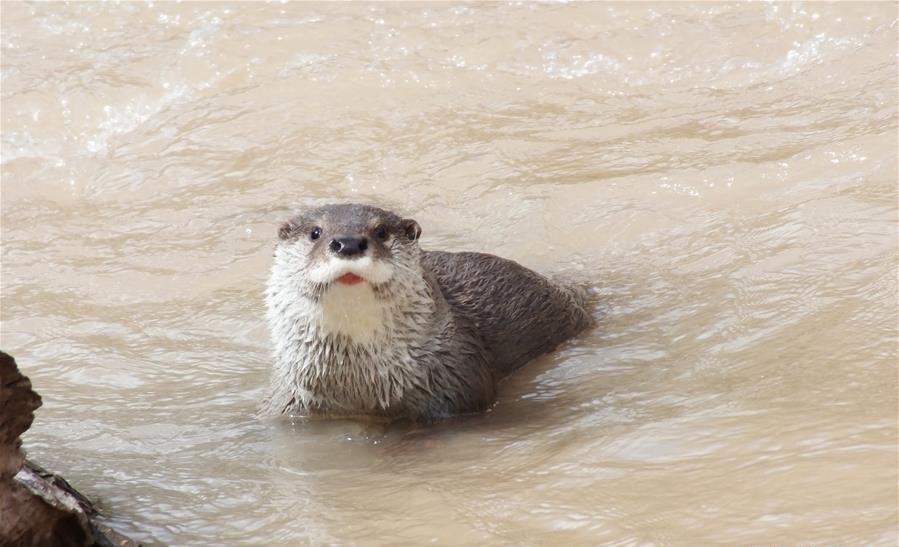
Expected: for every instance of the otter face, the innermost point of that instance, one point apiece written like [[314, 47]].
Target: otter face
[[337, 265], [345, 244]]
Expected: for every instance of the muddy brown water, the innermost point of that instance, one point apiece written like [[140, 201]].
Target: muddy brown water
[[725, 174]]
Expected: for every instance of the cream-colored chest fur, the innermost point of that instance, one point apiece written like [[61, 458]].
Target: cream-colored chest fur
[[353, 311], [352, 350]]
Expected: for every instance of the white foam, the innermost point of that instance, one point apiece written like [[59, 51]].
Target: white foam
[[125, 118]]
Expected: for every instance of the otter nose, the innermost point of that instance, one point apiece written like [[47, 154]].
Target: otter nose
[[348, 246]]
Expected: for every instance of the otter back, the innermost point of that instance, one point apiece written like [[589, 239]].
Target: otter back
[[518, 313]]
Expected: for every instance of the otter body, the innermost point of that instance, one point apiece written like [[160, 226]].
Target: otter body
[[364, 322]]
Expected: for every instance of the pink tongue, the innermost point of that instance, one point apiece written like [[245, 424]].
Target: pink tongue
[[349, 279]]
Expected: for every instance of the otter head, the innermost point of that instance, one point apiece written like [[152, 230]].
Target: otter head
[[341, 262]]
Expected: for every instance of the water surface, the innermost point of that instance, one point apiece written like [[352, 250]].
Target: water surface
[[725, 174]]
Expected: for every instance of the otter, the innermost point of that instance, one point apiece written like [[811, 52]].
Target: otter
[[366, 323]]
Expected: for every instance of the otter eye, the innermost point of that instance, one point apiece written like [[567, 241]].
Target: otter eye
[[381, 232], [316, 233]]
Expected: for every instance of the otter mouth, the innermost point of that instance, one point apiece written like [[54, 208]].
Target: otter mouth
[[349, 279], [342, 272]]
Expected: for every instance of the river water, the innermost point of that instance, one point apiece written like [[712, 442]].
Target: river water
[[724, 174]]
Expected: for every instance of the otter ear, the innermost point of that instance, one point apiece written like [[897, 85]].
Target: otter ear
[[411, 228], [286, 229]]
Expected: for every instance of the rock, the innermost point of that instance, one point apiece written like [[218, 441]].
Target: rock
[[38, 508]]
